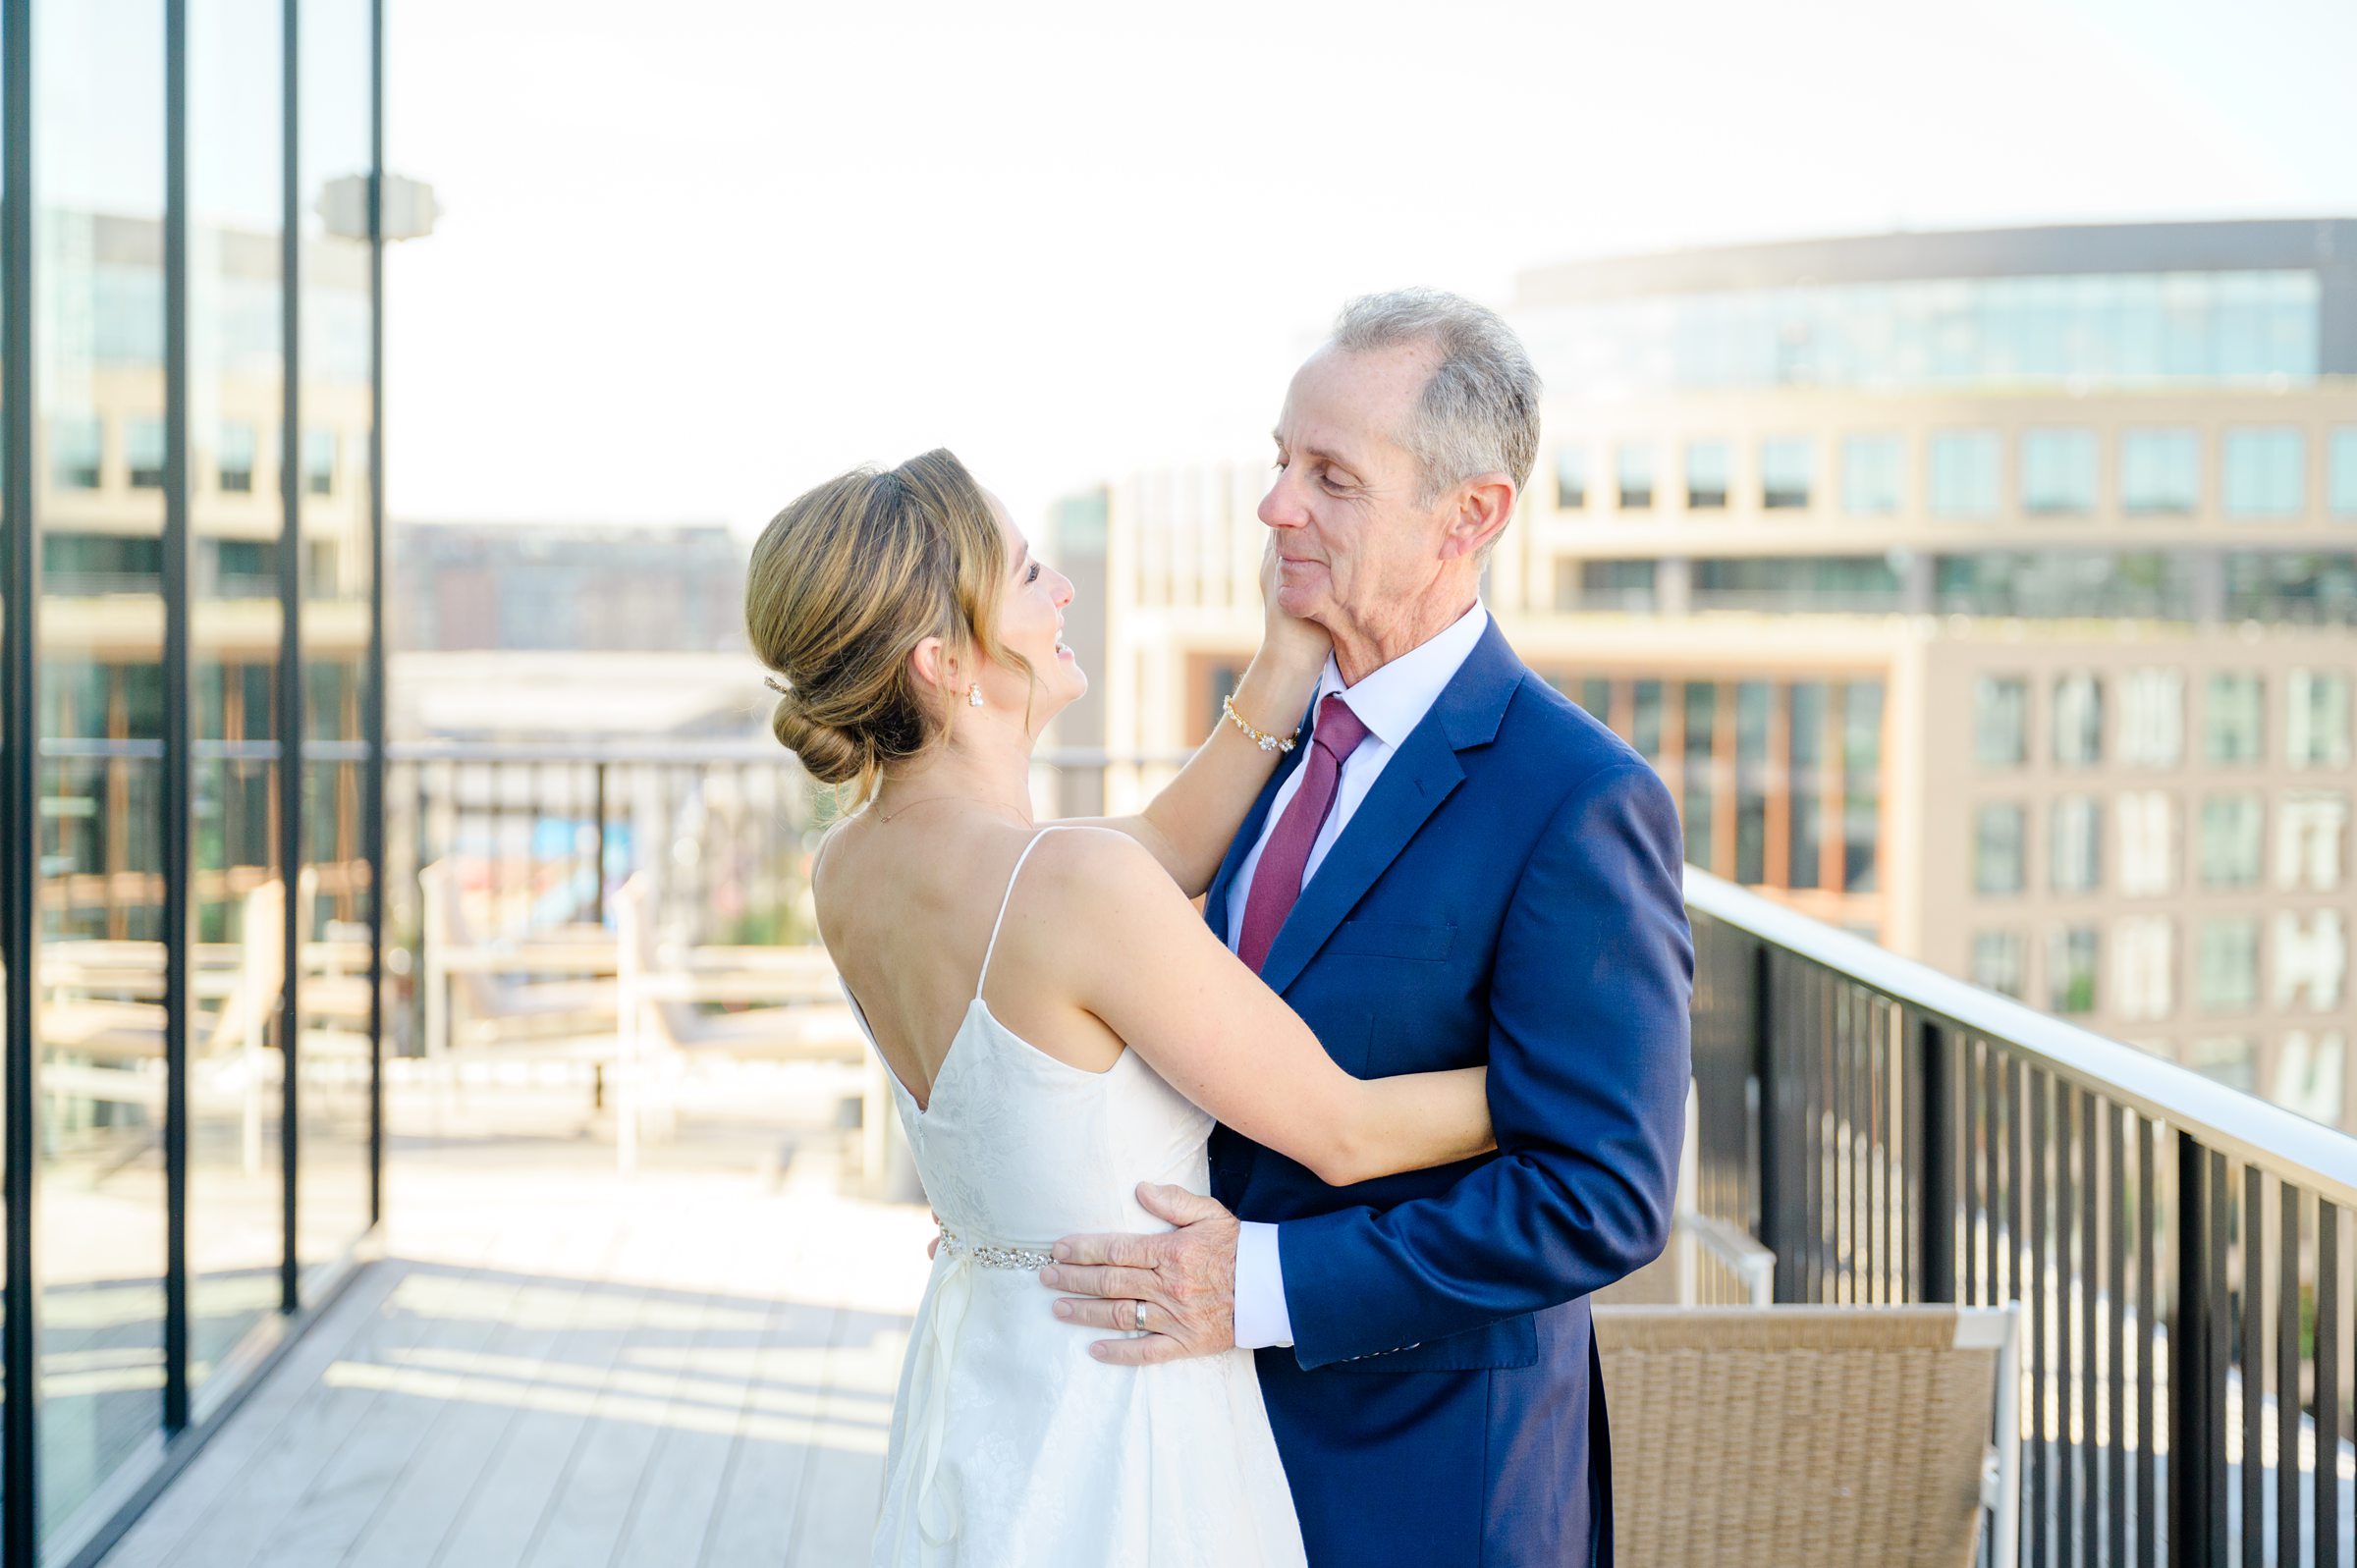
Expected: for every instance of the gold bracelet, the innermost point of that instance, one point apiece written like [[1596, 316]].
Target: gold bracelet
[[1264, 741]]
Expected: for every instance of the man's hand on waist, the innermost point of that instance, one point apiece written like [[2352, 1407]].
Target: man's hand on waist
[[1185, 1278]]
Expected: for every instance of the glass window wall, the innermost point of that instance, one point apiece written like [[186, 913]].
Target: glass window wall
[[2057, 471], [2266, 473], [1787, 472], [1706, 467], [1633, 466], [2000, 726], [1966, 474], [2160, 472], [1873, 474]]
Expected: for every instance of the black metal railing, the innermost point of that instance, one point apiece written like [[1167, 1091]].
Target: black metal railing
[[2180, 1248]]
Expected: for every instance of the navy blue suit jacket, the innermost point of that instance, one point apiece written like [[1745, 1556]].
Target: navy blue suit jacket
[[1508, 892]]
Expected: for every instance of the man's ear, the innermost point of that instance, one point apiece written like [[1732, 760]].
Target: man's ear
[[1485, 504]]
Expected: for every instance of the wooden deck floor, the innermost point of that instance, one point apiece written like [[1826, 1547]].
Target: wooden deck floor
[[556, 1366]]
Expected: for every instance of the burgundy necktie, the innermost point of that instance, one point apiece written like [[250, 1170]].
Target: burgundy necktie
[[1277, 880]]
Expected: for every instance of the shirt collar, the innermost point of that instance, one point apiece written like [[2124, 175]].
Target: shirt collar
[[1391, 699]]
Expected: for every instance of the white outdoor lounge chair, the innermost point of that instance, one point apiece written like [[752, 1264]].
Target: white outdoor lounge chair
[[798, 1015]]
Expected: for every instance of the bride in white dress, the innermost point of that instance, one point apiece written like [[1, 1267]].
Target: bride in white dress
[[1059, 1024]]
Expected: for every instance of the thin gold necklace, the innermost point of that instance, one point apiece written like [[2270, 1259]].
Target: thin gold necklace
[[881, 817]]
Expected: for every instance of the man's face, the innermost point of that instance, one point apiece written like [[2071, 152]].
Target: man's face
[[1354, 545]]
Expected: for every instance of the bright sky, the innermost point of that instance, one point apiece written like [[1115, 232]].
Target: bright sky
[[697, 256]]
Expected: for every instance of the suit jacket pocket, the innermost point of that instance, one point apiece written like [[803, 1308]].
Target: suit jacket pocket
[[1508, 1342], [1391, 939]]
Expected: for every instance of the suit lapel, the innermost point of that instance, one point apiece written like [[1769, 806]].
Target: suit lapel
[[1215, 902], [1424, 772]]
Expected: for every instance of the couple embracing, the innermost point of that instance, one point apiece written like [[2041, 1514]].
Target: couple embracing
[[1267, 1230]]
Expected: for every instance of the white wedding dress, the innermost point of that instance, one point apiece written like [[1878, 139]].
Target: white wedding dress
[[1011, 1445]]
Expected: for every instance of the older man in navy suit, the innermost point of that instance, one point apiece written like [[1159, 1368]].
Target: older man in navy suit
[[1457, 866]]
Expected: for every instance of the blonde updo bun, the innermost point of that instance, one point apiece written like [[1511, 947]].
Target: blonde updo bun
[[842, 586]]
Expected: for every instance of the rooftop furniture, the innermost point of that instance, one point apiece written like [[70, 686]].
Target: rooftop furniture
[[1814, 1437], [796, 1012]]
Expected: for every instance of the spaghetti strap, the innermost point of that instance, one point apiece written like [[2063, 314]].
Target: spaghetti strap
[[1004, 901]]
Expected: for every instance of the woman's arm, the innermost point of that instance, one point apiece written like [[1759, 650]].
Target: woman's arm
[[1188, 824], [1153, 971]]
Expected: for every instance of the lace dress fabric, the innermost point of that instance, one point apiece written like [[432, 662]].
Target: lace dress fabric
[[1011, 1445]]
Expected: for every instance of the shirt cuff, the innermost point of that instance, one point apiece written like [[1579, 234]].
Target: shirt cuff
[[1261, 1317]]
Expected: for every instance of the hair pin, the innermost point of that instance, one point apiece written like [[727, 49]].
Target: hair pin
[[771, 682]]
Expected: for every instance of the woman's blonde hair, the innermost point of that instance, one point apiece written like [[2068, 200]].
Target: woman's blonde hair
[[845, 582]]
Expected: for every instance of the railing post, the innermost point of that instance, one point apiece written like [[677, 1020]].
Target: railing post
[[1775, 1234], [597, 876], [1935, 1145], [2193, 1451]]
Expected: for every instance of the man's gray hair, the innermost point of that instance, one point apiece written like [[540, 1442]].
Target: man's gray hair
[[1480, 411]]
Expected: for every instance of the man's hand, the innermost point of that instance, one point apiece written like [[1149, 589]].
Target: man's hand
[[1186, 1279]]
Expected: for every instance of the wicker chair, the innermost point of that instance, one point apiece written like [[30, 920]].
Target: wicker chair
[[1812, 1437]]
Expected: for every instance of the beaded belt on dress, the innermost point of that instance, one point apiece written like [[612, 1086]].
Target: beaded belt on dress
[[991, 1257]]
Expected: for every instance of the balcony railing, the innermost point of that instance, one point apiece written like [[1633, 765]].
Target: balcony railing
[[1891, 1134], [2181, 1249]]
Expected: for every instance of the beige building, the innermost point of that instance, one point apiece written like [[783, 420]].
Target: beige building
[[1989, 594]]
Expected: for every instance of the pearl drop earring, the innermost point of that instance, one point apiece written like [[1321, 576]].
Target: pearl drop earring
[[973, 695]]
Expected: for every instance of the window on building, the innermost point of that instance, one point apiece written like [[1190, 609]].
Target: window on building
[[1999, 831], [2231, 840], [2312, 959], [2071, 981], [2160, 472], [2000, 962], [235, 457], [1863, 584], [1862, 784], [2000, 726], [2310, 831], [1811, 707], [1967, 468], [2303, 587], [75, 448], [1633, 466], [2057, 471], [1752, 700], [1571, 478], [1787, 472], [1624, 585], [2343, 478], [1595, 693], [1873, 474], [1645, 718], [2075, 844], [319, 462], [2078, 719], [2066, 584], [1701, 709], [143, 452], [1705, 475], [2316, 719], [2230, 1060], [2148, 841], [2152, 719], [2233, 714], [2266, 472], [2308, 1074], [2225, 964], [2144, 967]]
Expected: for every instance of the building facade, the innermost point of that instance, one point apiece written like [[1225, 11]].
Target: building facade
[[191, 725], [1991, 594]]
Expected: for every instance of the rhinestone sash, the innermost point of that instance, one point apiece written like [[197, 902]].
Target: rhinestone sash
[[992, 1257]]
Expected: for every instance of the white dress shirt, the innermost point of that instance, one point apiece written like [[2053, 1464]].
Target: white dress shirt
[[1391, 701]]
